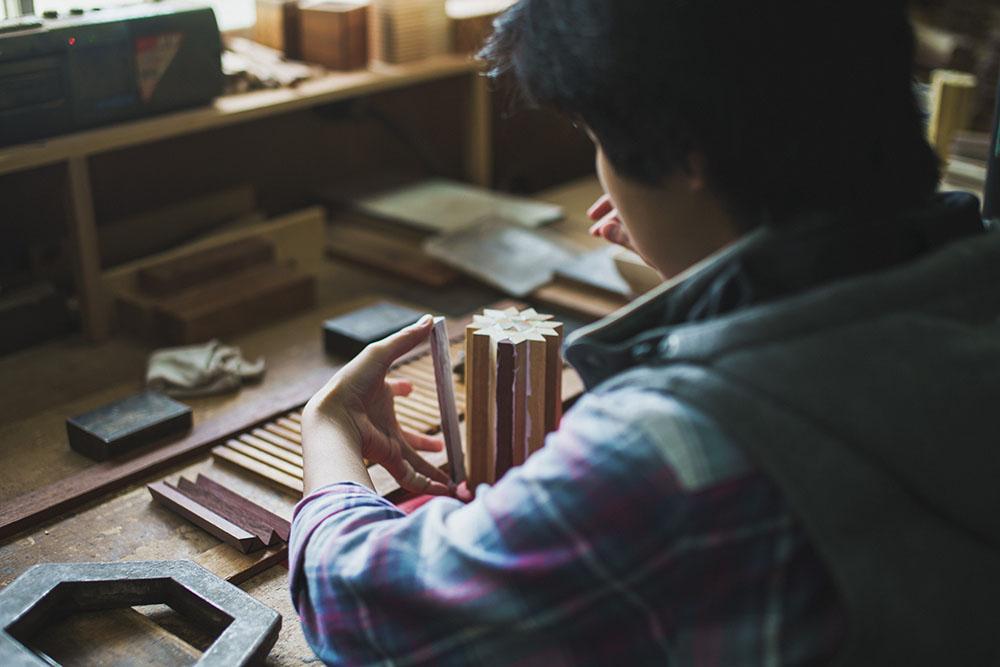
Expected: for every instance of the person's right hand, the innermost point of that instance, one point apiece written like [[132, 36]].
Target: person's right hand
[[608, 224]]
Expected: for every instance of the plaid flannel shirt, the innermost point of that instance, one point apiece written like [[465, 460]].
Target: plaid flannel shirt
[[638, 535]]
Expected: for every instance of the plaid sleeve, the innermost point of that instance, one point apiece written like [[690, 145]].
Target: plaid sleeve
[[537, 557]]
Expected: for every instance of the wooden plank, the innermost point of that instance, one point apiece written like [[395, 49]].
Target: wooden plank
[[233, 109], [519, 444], [281, 525], [537, 350], [85, 250], [235, 567], [204, 518], [272, 449], [151, 231], [265, 458], [232, 512], [293, 426], [447, 409], [179, 274], [274, 439], [952, 98], [236, 303], [396, 254], [284, 433], [479, 134], [280, 479]]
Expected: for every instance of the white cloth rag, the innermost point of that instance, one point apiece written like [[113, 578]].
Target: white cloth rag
[[201, 370]]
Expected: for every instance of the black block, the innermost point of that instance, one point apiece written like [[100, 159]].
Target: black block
[[348, 334], [124, 425]]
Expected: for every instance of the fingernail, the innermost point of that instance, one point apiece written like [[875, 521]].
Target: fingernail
[[425, 320]]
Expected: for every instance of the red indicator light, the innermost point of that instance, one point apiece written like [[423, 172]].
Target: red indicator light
[[72, 41]]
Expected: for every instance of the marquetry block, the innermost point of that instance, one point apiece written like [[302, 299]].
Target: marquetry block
[[124, 425], [335, 34], [513, 389], [278, 26], [403, 31]]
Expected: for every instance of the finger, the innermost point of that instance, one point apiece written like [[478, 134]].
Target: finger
[[611, 217], [422, 442], [417, 482], [425, 467], [399, 387], [600, 208], [463, 493], [392, 347]]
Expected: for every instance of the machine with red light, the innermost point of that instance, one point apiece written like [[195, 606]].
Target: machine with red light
[[59, 74]]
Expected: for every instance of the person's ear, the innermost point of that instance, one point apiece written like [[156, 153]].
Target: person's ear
[[695, 175]]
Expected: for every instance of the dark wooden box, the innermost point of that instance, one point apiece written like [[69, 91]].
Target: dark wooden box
[[126, 424]]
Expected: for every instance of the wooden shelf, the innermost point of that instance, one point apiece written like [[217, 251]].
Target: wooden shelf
[[233, 109]]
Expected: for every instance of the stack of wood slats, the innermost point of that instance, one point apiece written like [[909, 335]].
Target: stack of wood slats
[[403, 31], [227, 515]]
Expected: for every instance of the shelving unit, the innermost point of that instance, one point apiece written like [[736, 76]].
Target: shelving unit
[[76, 149]]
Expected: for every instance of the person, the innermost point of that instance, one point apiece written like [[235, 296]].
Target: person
[[786, 452]]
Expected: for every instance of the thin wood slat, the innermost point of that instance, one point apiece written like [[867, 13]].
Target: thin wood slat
[[280, 525], [204, 518], [288, 445], [447, 410], [265, 458], [232, 512], [273, 450], [277, 477], [235, 567]]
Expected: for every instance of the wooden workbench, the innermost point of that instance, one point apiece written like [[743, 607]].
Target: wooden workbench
[[44, 385]]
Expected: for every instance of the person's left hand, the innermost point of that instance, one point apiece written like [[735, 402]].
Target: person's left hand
[[359, 400]]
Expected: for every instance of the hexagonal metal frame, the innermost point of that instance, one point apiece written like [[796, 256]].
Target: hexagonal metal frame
[[248, 627]]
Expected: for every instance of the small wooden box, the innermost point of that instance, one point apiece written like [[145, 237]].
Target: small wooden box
[[278, 26], [335, 34], [124, 425]]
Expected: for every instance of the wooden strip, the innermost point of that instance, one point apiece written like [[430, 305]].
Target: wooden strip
[[274, 400], [232, 512], [447, 411], [205, 519], [536, 394], [414, 413], [284, 433], [225, 562], [411, 424], [287, 482], [424, 399], [288, 445], [292, 426], [504, 400], [519, 443], [478, 415], [265, 458], [553, 378], [295, 416], [281, 525], [273, 450]]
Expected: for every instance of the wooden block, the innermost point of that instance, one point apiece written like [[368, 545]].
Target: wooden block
[[297, 237], [278, 26], [229, 510], [235, 304], [149, 232], [204, 518], [280, 525], [448, 411], [504, 400], [178, 274], [471, 23], [126, 424], [394, 253], [350, 333], [952, 97], [335, 34], [235, 567]]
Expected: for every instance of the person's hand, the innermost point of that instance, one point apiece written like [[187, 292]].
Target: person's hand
[[358, 400], [608, 224]]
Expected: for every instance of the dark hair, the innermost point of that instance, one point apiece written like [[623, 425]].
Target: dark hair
[[796, 105]]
